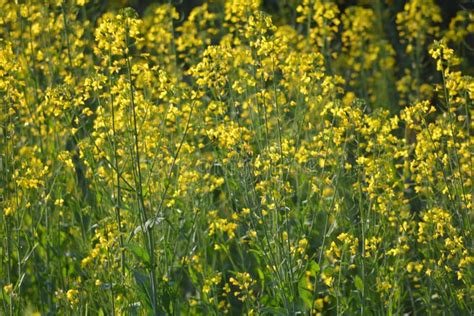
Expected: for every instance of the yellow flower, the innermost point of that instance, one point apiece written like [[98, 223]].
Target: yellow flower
[[72, 296], [319, 304], [8, 289]]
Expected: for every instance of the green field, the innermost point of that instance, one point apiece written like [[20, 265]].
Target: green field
[[241, 157]]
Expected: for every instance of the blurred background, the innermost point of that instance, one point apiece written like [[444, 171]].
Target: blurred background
[[284, 11], [449, 7]]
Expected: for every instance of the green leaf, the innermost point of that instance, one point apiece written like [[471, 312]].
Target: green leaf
[[305, 294], [314, 268], [261, 276], [359, 284], [140, 253]]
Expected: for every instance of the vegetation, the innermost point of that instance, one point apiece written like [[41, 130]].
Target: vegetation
[[313, 159]]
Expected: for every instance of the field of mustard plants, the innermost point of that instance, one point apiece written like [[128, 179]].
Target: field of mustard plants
[[245, 157]]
